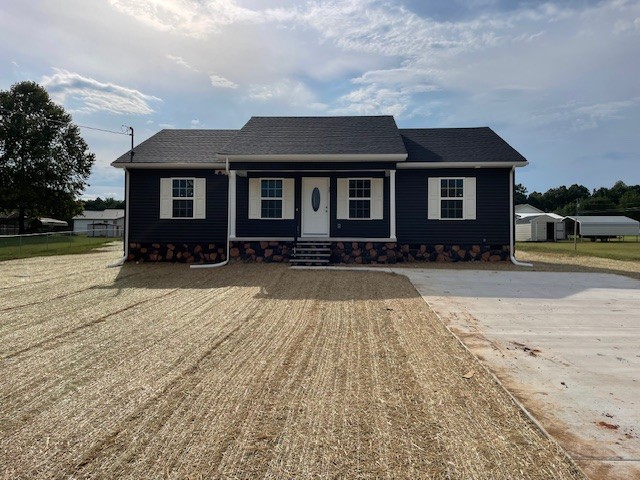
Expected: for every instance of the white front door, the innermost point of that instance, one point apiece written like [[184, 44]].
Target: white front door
[[315, 207]]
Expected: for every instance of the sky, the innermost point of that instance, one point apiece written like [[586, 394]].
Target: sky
[[559, 81]]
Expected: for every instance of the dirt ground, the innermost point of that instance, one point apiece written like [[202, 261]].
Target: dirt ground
[[248, 371]]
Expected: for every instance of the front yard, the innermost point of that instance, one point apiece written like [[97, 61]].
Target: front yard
[[246, 371]]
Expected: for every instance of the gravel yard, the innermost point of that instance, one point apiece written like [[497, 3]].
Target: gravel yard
[[247, 371]]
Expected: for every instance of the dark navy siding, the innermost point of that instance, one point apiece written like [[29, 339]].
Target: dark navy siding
[[144, 209], [365, 229], [492, 209]]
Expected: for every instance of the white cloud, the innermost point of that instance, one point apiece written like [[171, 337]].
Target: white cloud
[[182, 62], [373, 100], [94, 96], [219, 81], [290, 92], [585, 117], [187, 17]]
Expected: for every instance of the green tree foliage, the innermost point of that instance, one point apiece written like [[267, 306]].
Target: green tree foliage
[[520, 194], [99, 204], [621, 199], [44, 162]]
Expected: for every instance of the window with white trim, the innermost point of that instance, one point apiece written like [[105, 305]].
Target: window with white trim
[[271, 198], [182, 190], [182, 198], [360, 198], [451, 198]]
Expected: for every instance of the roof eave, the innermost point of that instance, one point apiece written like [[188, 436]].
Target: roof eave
[[167, 165], [359, 157], [432, 165]]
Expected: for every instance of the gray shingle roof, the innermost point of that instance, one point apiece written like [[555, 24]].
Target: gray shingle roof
[[317, 136], [457, 145], [180, 146]]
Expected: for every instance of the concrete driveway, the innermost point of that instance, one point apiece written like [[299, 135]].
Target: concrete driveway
[[567, 345]]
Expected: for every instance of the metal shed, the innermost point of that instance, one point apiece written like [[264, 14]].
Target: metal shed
[[539, 227], [603, 227]]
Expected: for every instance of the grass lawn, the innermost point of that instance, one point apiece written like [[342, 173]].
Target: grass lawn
[[38, 246], [629, 249]]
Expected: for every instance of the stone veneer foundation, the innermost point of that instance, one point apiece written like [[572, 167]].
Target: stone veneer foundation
[[341, 252]]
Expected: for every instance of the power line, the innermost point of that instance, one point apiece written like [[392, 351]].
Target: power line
[[51, 120]]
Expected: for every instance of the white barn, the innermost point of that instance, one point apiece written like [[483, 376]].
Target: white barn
[[106, 223], [539, 227]]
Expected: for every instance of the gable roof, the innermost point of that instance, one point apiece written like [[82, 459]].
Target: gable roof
[[179, 146], [348, 135], [457, 145], [108, 214], [526, 208]]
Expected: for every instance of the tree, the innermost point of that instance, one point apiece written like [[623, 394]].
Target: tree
[[520, 194], [99, 204], [44, 162]]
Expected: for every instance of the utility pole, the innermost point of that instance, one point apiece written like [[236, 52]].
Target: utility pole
[[575, 227]]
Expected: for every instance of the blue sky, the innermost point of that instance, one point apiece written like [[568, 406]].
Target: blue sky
[[558, 81]]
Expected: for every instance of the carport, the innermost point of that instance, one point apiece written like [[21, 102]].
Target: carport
[[602, 227]]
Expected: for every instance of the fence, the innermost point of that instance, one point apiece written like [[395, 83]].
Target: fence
[[34, 244]]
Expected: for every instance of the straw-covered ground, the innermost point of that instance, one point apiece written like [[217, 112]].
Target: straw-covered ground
[[248, 371]]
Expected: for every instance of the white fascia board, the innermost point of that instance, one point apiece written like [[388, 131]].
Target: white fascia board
[[432, 165], [394, 157], [192, 166]]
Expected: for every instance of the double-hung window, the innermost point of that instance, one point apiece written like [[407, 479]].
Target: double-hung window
[[359, 198], [182, 190], [451, 198], [182, 198], [271, 198]]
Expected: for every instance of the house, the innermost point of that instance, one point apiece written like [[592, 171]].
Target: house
[[105, 223], [526, 208], [539, 227], [352, 189], [602, 227]]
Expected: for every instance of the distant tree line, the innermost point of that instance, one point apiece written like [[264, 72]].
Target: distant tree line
[[621, 199], [99, 204]]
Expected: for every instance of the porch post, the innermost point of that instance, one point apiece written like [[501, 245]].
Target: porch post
[[392, 204], [232, 203]]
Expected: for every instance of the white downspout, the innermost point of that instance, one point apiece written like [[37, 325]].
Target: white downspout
[[231, 195], [121, 261], [511, 226]]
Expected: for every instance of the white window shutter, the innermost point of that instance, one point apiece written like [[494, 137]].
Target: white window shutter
[[343, 199], [288, 198], [165, 198], [470, 198], [254, 198], [433, 198], [377, 198], [200, 198]]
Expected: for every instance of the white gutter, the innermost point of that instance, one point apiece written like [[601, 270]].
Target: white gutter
[[120, 262], [512, 217], [229, 197], [430, 165], [173, 165]]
